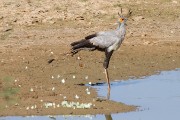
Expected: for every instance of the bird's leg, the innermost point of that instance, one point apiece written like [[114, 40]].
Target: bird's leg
[[109, 87], [106, 64], [107, 78]]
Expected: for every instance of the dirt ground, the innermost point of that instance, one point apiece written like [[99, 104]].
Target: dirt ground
[[35, 31]]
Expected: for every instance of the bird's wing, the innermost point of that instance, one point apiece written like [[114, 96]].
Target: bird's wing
[[104, 41], [99, 34]]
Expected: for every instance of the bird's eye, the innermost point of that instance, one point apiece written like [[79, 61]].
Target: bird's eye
[[121, 19]]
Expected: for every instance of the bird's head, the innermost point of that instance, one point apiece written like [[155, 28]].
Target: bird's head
[[122, 18]]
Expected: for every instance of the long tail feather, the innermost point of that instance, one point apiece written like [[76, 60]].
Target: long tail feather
[[81, 45]]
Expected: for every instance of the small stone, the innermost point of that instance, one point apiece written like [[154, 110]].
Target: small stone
[[64, 97], [86, 77], [8, 28], [52, 53], [26, 67], [79, 58], [143, 35], [90, 83], [54, 105], [74, 76], [77, 97], [53, 88], [57, 105], [87, 89], [31, 90], [88, 93], [52, 77], [63, 81], [16, 104], [174, 1], [27, 108], [1, 17], [52, 22], [32, 107], [58, 76]]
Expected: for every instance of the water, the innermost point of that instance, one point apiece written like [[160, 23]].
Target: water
[[158, 97]]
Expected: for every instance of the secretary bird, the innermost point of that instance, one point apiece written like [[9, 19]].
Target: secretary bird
[[106, 41]]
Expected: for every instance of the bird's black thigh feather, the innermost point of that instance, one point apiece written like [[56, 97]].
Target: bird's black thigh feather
[[107, 58]]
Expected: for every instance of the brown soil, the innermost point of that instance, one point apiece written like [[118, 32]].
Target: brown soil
[[33, 32]]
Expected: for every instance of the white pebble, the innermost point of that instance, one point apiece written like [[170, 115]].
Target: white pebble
[[63, 81], [77, 97], [31, 90], [26, 67], [58, 76], [27, 108], [87, 89], [52, 77], [64, 97], [88, 93], [52, 53], [15, 80], [32, 107], [41, 100], [175, 2], [74, 76], [58, 105], [16, 104], [53, 88], [86, 77], [79, 58], [19, 85], [90, 83], [54, 105]]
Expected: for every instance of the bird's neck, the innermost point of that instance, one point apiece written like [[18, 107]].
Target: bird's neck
[[121, 25], [121, 29]]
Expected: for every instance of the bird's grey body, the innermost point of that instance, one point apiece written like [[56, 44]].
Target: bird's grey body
[[107, 41], [110, 40]]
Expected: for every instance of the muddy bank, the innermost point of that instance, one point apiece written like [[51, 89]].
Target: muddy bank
[[28, 82]]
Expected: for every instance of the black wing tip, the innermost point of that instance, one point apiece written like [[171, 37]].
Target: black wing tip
[[90, 36]]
